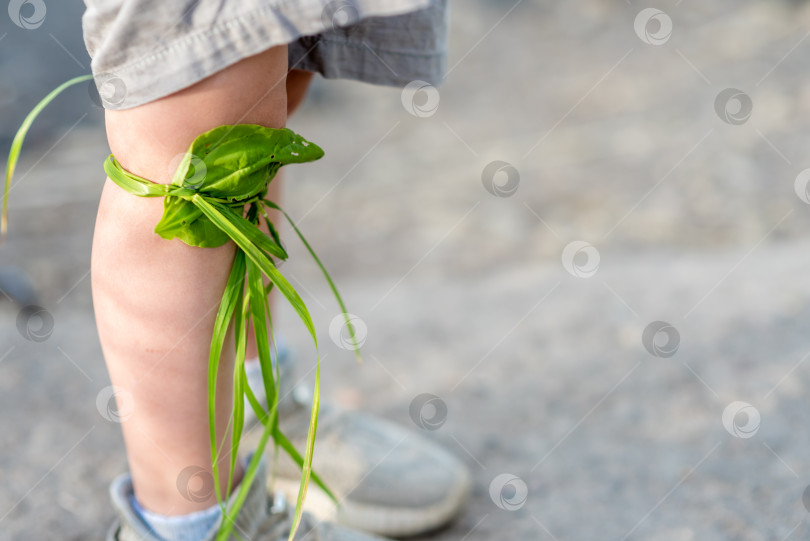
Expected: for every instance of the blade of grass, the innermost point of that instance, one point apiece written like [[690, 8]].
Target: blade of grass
[[215, 212], [238, 412], [290, 449], [257, 315], [306, 467], [254, 234], [133, 183], [326, 275], [230, 298], [261, 320], [19, 137], [285, 443], [277, 372], [247, 481]]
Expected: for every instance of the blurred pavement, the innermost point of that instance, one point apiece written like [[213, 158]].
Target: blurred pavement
[[688, 206]]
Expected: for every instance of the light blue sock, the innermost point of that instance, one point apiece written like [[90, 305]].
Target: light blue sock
[[191, 527]]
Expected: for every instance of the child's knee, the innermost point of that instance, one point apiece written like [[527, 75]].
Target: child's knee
[[147, 139]]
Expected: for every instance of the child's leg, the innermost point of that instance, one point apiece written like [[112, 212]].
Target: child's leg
[[155, 300]]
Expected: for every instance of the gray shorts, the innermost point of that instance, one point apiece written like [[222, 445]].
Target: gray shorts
[[143, 50]]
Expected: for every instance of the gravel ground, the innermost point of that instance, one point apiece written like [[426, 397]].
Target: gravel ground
[[686, 204]]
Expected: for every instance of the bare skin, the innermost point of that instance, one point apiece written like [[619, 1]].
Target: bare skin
[[156, 300]]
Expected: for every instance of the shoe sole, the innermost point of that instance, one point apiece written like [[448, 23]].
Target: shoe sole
[[377, 519]]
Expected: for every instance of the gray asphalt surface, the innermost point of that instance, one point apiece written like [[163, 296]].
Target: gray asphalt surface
[[686, 207]]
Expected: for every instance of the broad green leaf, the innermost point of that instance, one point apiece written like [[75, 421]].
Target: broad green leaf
[[181, 219], [229, 164]]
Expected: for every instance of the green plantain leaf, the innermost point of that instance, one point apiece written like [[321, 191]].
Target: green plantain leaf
[[181, 220], [231, 164]]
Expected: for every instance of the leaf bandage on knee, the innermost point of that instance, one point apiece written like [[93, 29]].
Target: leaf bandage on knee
[[218, 194], [225, 170]]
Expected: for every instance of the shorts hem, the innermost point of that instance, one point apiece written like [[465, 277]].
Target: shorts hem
[[189, 59], [339, 59]]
